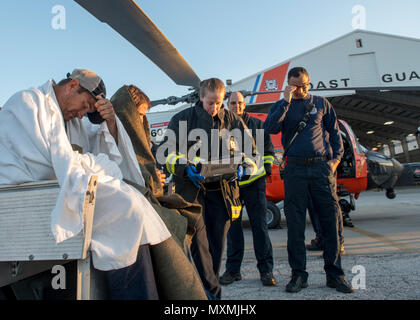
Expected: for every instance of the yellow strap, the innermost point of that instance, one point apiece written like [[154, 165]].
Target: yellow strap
[[268, 159], [253, 164], [168, 161], [197, 160], [171, 161], [261, 172]]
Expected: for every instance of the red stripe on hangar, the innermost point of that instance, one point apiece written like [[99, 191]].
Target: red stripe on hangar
[[272, 80], [160, 124]]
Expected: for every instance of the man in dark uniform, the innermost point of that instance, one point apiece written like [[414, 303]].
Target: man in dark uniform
[[195, 135], [309, 173], [252, 194]]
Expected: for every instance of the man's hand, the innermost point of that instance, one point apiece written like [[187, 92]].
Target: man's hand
[[333, 164], [161, 176], [288, 93], [105, 108]]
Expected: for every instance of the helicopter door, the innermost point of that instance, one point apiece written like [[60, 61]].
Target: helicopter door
[[353, 163], [347, 166]]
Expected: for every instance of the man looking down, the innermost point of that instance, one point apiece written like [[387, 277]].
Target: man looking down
[[39, 128]]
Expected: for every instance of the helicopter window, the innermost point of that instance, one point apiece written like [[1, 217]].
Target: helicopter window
[[357, 143], [346, 166], [346, 144], [364, 150]]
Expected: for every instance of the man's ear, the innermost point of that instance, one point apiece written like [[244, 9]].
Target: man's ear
[[72, 85]]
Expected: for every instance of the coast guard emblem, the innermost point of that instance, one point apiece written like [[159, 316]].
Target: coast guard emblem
[[271, 85]]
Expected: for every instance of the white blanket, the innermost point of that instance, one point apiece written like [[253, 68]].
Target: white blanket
[[34, 146]]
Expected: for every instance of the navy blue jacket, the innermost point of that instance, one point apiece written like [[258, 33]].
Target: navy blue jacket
[[313, 141]]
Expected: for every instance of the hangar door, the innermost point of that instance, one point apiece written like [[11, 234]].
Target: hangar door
[[363, 70]]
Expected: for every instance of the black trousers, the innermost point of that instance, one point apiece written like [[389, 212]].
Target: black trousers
[[317, 225], [216, 221], [254, 198], [317, 182], [203, 260]]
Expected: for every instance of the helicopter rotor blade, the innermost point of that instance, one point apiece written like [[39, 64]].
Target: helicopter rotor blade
[[129, 20]]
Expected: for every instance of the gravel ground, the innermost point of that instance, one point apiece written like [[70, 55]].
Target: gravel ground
[[395, 277], [385, 241]]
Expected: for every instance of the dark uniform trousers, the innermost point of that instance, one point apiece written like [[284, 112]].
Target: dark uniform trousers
[[317, 182], [253, 196], [317, 226]]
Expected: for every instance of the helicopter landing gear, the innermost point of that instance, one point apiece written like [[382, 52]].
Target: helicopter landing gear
[[346, 207], [390, 193]]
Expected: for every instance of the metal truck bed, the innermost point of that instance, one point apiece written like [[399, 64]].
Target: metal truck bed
[[27, 246]]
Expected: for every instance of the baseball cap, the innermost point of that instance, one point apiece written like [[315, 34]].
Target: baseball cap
[[90, 81]]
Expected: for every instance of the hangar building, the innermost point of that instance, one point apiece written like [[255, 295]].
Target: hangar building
[[371, 79]]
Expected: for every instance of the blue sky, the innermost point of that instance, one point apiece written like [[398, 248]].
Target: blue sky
[[229, 39]]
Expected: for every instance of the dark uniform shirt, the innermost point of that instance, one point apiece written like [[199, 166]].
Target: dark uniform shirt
[[197, 118], [313, 141]]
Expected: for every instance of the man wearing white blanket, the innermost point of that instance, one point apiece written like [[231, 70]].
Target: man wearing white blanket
[[39, 130]]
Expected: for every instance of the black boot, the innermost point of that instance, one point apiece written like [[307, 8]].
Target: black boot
[[315, 245], [296, 284], [339, 284], [228, 278]]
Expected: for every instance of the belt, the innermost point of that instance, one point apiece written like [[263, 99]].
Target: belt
[[305, 161]]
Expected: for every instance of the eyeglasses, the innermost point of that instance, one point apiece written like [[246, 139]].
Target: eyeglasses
[[304, 86]]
